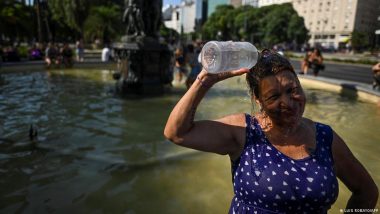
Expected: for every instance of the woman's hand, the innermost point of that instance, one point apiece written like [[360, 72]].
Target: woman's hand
[[209, 79]]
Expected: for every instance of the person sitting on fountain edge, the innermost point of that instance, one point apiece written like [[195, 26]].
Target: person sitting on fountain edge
[[281, 161]]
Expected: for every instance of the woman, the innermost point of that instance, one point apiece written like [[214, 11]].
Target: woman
[[376, 75], [180, 64], [305, 63], [281, 161], [316, 61], [196, 68]]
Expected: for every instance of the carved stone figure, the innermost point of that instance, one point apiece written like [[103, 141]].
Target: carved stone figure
[[133, 18], [152, 17]]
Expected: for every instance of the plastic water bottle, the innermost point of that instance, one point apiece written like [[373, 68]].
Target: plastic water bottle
[[226, 56]]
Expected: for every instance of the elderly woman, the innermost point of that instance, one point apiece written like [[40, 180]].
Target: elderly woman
[[281, 161]]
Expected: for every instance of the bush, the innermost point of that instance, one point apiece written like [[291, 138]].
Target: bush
[[22, 51]]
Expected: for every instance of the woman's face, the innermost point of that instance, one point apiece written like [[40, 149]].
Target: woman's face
[[282, 98]]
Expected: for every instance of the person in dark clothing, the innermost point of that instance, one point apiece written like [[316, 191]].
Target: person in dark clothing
[[180, 64], [67, 55], [51, 55]]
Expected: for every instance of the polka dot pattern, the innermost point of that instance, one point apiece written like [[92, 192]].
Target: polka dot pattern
[[267, 181]]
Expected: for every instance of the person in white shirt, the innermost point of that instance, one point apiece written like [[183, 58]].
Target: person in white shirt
[[106, 53]]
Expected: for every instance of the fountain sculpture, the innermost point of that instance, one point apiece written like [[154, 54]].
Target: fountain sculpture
[[143, 61]]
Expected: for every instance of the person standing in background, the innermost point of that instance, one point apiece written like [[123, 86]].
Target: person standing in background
[[180, 64], [67, 55], [376, 76], [51, 55], [305, 63], [106, 53], [195, 65], [79, 50], [316, 61]]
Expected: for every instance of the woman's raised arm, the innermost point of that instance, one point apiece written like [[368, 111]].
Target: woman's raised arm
[[216, 136]]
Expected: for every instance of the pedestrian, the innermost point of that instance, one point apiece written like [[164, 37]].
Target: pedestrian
[[376, 75], [35, 53], [51, 55], [316, 61], [106, 53], [79, 50], [305, 63], [281, 162], [180, 65], [195, 66], [67, 55]]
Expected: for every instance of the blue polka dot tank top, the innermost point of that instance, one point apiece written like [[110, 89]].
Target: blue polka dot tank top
[[267, 181]]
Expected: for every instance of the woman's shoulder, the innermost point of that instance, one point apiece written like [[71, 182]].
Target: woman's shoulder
[[319, 127], [314, 123], [237, 119]]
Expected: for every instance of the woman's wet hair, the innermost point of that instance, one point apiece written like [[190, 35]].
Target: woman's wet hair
[[269, 64]]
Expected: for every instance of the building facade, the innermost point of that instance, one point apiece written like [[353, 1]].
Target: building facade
[[183, 16], [254, 3], [331, 22], [262, 3]]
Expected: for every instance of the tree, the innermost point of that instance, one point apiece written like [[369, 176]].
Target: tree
[[169, 34], [70, 13], [359, 40], [15, 20], [264, 26], [219, 23], [296, 30], [104, 22]]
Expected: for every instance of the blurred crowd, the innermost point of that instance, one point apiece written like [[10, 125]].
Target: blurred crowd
[[53, 54]]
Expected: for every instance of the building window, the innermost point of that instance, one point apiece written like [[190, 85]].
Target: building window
[[332, 36], [177, 15]]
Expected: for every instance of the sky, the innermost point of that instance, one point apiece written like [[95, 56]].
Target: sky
[[165, 2]]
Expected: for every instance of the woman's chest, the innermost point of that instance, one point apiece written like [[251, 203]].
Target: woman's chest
[[269, 176]]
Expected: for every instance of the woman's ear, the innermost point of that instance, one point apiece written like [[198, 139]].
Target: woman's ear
[[258, 103]]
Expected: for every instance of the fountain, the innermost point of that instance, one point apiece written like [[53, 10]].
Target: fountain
[[143, 62]]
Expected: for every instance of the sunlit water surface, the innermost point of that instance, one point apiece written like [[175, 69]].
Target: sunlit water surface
[[97, 152]]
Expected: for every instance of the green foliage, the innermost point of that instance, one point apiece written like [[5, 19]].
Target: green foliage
[[219, 23], [359, 40], [22, 51], [15, 19], [103, 22], [266, 25], [169, 34], [71, 13]]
